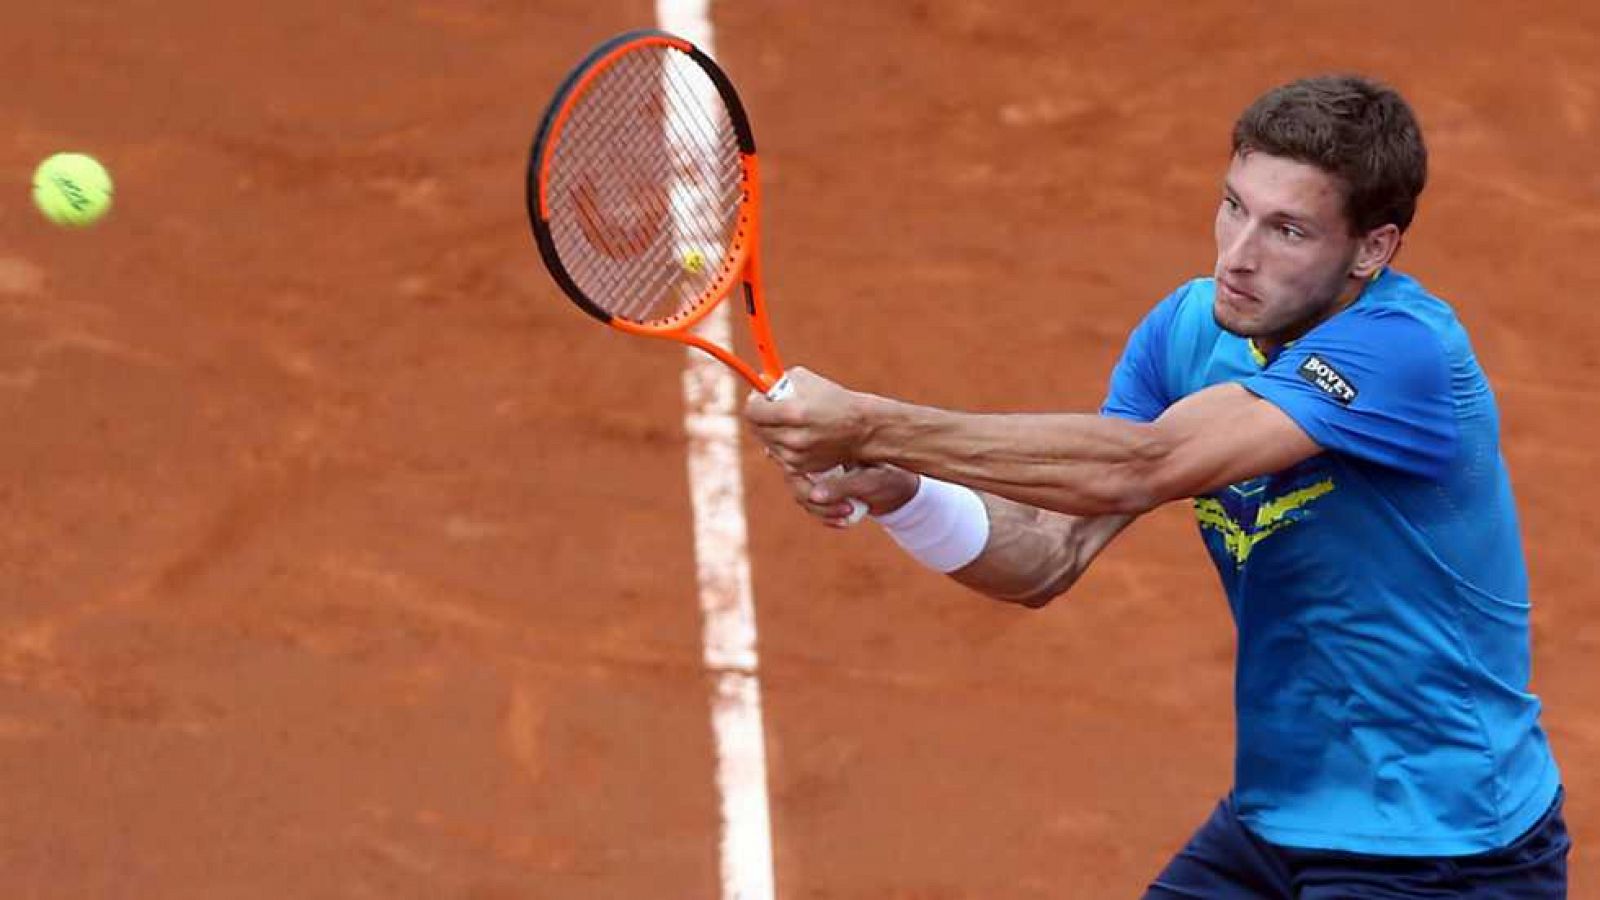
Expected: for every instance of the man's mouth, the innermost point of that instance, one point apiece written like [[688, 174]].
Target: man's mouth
[[1235, 294]]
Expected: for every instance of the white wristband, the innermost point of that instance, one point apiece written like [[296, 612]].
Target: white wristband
[[944, 526]]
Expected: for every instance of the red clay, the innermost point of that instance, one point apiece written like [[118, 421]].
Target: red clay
[[341, 557]]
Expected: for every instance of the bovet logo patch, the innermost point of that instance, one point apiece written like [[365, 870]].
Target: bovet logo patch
[[1327, 379]]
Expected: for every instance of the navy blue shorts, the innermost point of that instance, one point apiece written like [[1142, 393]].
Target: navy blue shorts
[[1226, 861]]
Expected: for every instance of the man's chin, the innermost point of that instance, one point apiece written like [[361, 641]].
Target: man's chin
[[1233, 324]]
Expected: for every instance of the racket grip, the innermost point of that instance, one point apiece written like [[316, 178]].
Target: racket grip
[[782, 390], [858, 509]]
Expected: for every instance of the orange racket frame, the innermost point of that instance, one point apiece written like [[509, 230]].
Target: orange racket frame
[[741, 265]]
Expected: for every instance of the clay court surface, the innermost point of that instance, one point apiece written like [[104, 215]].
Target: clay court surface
[[341, 557]]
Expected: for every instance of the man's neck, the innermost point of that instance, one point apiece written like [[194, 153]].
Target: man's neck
[[1269, 346]]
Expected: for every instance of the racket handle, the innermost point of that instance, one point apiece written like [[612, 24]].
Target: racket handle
[[858, 509], [782, 390]]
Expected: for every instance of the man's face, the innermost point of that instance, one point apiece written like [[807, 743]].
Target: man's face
[[1284, 248]]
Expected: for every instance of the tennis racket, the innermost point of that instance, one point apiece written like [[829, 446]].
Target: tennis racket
[[644, 201]]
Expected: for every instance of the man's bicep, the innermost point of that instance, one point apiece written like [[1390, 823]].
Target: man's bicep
[[1223, 435]]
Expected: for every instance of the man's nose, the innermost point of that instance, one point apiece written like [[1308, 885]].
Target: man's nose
[[1237, 250]]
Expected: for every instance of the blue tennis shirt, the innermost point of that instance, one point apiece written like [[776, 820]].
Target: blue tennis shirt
[[1378, 588]]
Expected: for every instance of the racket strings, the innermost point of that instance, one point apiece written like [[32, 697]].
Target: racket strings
[[604, 213], [645, 186]]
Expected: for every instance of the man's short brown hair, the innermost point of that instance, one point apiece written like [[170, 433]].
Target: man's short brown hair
[[1356, 129]]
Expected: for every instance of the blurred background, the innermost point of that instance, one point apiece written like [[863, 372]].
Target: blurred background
[[340, 556]]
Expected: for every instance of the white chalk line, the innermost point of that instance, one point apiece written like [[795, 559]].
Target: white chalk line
[[722, 565]]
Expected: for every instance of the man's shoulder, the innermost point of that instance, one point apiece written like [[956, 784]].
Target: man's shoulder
[[1191, 319], [1186, 310], [1197, 352], [1196, 293], [1396, 296]]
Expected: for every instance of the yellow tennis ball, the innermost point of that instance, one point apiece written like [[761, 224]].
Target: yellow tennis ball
[[72, 189], [694, 261]]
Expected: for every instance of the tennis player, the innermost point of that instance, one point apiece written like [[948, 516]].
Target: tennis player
[[1341, 445]]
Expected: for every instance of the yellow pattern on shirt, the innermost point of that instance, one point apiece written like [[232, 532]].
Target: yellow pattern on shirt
[[1272, 516]]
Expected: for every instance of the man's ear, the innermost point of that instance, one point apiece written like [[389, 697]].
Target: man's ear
[[1377, 248]]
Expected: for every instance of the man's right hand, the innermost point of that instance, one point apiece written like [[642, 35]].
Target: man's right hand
[[883, 488]]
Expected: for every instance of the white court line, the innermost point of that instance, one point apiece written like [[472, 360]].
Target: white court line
[[722, 563]]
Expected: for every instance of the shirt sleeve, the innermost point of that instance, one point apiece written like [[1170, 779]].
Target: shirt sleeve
[[1138, 389], [1374, 385]]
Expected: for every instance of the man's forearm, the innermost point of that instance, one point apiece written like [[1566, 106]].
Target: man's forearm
[[1078, 464], [1034, 555]]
